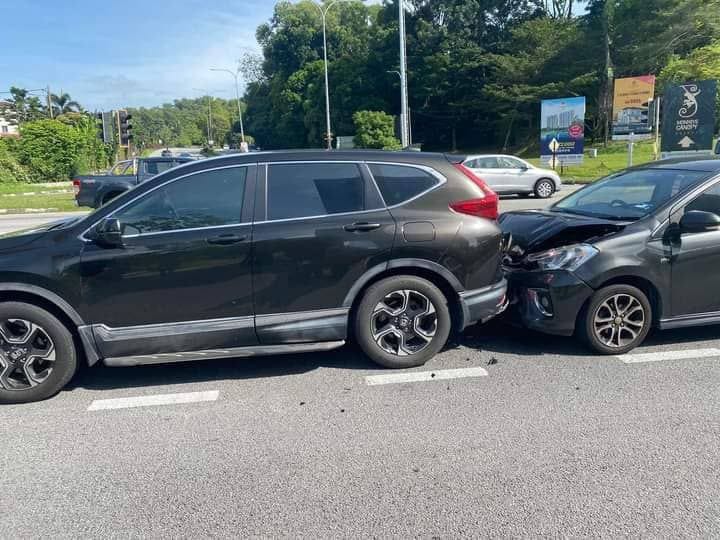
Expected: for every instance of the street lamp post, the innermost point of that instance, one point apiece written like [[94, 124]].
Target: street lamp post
[[235, 75], [403, 120], [404, 132], [323, 14]]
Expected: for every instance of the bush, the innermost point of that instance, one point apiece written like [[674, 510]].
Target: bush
[[10, 169], [50, 150], [375, 129]]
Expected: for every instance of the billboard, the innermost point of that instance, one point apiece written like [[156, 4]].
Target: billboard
[[631, 102], [689, 118], [562, 130]]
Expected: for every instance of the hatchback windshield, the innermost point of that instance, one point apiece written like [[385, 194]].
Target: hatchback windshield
[[629, 195]]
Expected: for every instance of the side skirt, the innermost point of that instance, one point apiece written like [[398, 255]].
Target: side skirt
[[684, 321], [212, 354]]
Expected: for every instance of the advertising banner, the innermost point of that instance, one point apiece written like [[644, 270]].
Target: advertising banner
[[631, 101], [562, 130], [689, 118]]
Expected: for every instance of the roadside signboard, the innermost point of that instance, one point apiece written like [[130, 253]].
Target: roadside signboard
[[562, 130], [689, 119], [631, 102]]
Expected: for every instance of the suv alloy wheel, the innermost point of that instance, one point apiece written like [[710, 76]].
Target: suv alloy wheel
[[37, 353], [402, 321]]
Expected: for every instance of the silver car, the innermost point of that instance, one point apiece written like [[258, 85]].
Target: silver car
[[508, 174]]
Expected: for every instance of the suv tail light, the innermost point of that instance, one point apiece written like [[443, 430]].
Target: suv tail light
[[76, 186], [484, 207]]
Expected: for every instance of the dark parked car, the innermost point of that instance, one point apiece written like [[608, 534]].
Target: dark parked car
[[254, 254], [638, 249], [94, 191]]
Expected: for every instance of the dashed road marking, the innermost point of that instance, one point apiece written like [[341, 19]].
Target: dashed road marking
[[662, 356], [152, 401], [425, 376]]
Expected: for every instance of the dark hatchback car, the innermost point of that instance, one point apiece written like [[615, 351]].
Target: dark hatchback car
[[638, 249], [254, 254]]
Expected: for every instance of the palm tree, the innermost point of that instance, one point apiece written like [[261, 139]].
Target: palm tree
[[64, 104]]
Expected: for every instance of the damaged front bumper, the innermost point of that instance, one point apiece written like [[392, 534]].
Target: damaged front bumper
[[547, 301]]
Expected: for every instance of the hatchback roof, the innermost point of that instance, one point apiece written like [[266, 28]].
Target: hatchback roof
[[704, 164]]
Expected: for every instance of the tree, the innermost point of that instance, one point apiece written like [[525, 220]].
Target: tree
[[64, 104], [375, 129], [50, 150]]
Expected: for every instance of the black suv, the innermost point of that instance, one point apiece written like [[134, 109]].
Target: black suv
[[254, 254]]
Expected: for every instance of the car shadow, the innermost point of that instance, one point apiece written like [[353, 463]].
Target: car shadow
[[101, 377], [500, 336]]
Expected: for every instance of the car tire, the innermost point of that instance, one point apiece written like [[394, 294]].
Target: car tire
[[406, 306], [544, 188], [24, 377], [617, 319]]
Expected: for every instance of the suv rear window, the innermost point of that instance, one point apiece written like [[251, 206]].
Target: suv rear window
[[399, 183], [298, 190]]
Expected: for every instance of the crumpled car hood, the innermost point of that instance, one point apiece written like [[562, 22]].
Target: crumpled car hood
[[530, 231]]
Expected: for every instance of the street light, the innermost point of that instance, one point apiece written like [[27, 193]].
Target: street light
[[235, 74], [405, 131], [323, 14], [403, 120]]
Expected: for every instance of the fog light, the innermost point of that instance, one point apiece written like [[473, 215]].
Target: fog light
[[541, 300]]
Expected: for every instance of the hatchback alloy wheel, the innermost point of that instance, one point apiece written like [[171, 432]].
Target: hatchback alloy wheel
[[619, 320], [404, 322]]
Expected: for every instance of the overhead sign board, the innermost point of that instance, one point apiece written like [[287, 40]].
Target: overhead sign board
[[631, 102], [689, 118], [562, 130]]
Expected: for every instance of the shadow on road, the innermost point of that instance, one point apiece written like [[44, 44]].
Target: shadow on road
[[105, 378]]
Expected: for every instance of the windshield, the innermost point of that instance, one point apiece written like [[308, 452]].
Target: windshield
[[629, 195]]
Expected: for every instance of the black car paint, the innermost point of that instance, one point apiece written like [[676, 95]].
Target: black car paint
[[280, 284], [648, 253]]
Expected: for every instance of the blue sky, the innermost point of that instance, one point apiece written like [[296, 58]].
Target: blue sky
[[111, 53]]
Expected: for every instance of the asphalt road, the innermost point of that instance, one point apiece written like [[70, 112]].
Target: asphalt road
[[535, 437]]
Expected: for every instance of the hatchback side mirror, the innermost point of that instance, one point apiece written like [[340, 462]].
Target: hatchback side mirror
[[109, 232], [697, 221]]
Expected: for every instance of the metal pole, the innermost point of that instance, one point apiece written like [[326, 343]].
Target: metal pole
[[49, 102], [403, 77], [237, 97], [327, 84]]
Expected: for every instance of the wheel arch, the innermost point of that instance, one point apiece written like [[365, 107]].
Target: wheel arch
[[55, 305], [439, 276]]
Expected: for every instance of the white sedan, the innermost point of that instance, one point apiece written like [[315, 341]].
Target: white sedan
[[508, 174]]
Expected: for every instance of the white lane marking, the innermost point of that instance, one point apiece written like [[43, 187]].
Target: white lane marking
[[424, 376], [151, 401], [662, 356]]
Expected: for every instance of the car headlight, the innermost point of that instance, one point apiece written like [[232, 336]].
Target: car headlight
[[563, 258]]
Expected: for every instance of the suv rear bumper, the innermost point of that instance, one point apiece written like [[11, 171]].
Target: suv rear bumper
[[480, 305]]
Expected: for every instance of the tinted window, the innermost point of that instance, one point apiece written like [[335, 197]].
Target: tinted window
[[156, 167], [205, 199], [399, 184], [630, 195], [486, 163], [708, 201], [314, 189]]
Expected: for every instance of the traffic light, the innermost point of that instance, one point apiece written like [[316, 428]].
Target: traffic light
[[124, 128]]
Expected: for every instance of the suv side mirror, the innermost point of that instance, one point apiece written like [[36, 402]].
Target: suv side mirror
[[697, 221], [109, 232]]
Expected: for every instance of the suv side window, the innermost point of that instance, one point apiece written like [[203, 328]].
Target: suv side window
[[400, 183], [157, 167], [708, 201], [205, 199], [510, 163], [297, 190]]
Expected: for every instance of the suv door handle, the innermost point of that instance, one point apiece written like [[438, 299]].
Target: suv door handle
[[362, 226], [226, 239]]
